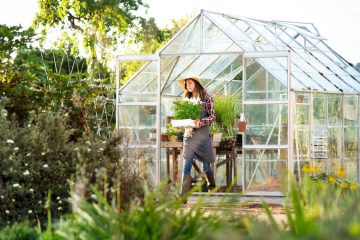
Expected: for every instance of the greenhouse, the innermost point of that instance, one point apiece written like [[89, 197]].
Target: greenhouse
[[300, 100]]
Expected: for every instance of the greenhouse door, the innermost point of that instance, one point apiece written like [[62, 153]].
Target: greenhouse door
[[137, 112], [266, 108]]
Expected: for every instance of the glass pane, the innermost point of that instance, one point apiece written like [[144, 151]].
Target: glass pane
[[261, 84], [319, 109], [335, 110], [350, 167], [141, 80], [350, 142], [301, 142], [302, 114], [265, 170], [215, 40], [335, 142], [233, 30], [138, 124], [350, 110], [145, 161], [187, 41], [263, 120]]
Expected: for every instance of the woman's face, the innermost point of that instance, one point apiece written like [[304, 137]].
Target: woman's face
[[190, 85]]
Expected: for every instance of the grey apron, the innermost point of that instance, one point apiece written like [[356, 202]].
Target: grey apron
[[199, 146]]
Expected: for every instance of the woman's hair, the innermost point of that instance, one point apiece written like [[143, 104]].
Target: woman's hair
[[198, 88]]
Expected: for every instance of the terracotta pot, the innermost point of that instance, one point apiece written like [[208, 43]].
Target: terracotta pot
[[164, 138], [242, 126]]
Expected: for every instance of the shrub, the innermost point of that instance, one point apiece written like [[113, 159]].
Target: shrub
[[38, 157], [19, 231]]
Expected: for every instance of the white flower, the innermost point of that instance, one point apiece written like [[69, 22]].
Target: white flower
[[66, 114], [60, 201], [26, 172], [43, 153], [31, 190], [57, 198], [16, 185], [16, 149], [104, 142], [7, 211], [2, 196], [26, 164], [29, 154], [76, 149], [29, 125], [45, 166], [88, 142], [30, 211], [10, 141], [101, 149], [89, 150]]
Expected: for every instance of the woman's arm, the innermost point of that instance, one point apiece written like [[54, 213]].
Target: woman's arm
[[210, 111]]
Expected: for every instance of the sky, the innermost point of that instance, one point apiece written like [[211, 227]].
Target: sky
[[338, 21]]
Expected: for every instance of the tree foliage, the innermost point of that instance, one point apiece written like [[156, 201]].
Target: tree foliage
[[12, 39], [99, 23]]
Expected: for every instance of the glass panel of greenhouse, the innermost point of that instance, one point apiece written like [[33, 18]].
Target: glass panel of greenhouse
[[300, 99]]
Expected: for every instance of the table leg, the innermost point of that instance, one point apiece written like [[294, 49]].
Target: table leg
[[175, 165], [213, 165], [168, 163], [227, 171], [235, 169]]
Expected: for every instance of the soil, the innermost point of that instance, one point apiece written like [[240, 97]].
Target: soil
[[242, 209]]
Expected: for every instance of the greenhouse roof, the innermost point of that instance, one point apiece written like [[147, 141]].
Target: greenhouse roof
[[211, 45]]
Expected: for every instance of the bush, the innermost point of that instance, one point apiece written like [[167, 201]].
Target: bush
[[38, 158], [19, 231]]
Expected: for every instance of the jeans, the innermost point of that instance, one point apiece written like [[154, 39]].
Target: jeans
[[188, 164]]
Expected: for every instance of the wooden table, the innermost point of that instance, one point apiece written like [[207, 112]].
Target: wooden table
[[176, 150]]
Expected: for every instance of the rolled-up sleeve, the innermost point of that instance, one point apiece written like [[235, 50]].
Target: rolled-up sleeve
[[210, 111]]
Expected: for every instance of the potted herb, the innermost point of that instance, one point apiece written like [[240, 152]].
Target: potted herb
[[225, 117], [171, 133], [185, 112]]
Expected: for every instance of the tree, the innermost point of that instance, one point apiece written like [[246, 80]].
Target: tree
[[99, 23], [12, 39]]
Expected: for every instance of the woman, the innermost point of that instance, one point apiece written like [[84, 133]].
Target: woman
[[199, 145]]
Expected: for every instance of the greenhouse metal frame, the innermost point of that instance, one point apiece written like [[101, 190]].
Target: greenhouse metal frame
[[299, 96]]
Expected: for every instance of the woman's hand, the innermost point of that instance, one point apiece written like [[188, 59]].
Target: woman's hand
[[197, 124]]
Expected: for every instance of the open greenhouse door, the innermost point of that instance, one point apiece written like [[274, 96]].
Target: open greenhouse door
[[266, 148], [137, 108]]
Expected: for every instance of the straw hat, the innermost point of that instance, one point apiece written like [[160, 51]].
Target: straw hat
[[193, 77]]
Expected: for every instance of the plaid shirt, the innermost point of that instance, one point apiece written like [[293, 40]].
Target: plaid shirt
[[208, 106]]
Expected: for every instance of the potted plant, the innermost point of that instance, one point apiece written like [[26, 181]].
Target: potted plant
[[216, 132], [225, 117], [185, 112], [171, 133]]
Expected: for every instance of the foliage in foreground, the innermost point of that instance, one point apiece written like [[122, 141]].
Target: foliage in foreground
[[318, 210]]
